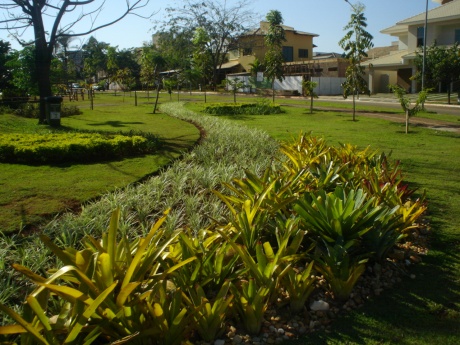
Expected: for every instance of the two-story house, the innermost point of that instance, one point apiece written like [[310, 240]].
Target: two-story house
[[443, 27], [298, 47]]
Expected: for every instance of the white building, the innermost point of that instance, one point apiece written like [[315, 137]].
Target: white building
[[397, 67]]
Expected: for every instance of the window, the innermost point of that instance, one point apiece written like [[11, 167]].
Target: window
[[288, 54], [420, 34], [332, 69], [247, 51], [457, 36], [303, 53]]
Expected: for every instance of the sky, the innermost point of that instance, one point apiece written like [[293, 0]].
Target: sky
[[323, 17]]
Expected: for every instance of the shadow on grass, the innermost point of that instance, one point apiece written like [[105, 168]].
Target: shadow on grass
[[116, 124], [423, 310]]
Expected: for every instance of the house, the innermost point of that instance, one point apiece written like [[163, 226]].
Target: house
[[397, 67], [298, 47], [301, 62]]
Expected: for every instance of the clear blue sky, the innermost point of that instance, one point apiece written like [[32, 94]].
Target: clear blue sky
[[323, 17]]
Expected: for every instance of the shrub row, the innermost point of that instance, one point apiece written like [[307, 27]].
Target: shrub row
[[263, 107], [326, 211], [71, 147], [32, 110]]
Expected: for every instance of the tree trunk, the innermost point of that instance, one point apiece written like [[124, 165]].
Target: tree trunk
[[354, 107], [156, 100], [407, 121], [311, 104], [273, 91], [42, 61]]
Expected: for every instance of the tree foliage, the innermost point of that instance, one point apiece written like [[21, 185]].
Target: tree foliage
[[405, 102], [442, 66], [309, 90], [274, 42], [222, 25], [96, 56], [5, 72], [52, 20], [356, 42]]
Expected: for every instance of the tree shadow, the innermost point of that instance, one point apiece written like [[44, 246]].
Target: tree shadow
[[116, 124]]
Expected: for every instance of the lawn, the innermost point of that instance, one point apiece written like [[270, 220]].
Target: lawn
[[425, 310], [30, 194]]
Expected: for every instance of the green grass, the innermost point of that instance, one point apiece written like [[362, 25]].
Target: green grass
[[425, 310], [30, 194]]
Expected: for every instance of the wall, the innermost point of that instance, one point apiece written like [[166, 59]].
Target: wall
[[328, 85]]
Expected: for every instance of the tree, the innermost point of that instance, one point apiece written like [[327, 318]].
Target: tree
[[233, 84], [355, 43], [95, 58], [400, 93], [223, 25], [309, 89], [5, 72], [274, 41], [442, 66], [22, 68], [61, 52], [151, 64], [202, 57], [24, 14], [175, 47]]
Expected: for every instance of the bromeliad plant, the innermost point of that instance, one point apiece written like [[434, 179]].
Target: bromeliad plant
[[339, 267], [209, 315], [108, 291]]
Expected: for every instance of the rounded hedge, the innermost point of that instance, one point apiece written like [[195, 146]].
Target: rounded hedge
[[75, 147]]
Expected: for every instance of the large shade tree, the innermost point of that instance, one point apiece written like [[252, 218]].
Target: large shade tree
[[356, 42], [52, 20], [442, 66], [223, 24]]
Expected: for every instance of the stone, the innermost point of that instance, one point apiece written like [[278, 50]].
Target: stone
[[237, 339], [219, 342], [280, 331], [319, 306]]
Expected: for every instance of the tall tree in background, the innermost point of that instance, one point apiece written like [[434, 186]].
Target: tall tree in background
[[442, 66], [5, 73], [223, 25], [274, 42], [356, 42], [67, 15], [95, 58], [202, 58]]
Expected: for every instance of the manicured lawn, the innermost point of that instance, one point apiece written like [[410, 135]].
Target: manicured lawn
[[424, 310], [30, 194]]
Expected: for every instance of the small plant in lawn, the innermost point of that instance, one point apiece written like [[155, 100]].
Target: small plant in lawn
[[405, 102]]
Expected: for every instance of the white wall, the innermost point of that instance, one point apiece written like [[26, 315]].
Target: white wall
[[290, 83], [328, 85]]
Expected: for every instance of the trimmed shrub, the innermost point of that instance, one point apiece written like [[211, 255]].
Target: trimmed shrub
[[262, 107], [31, 110], [72, 147]]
